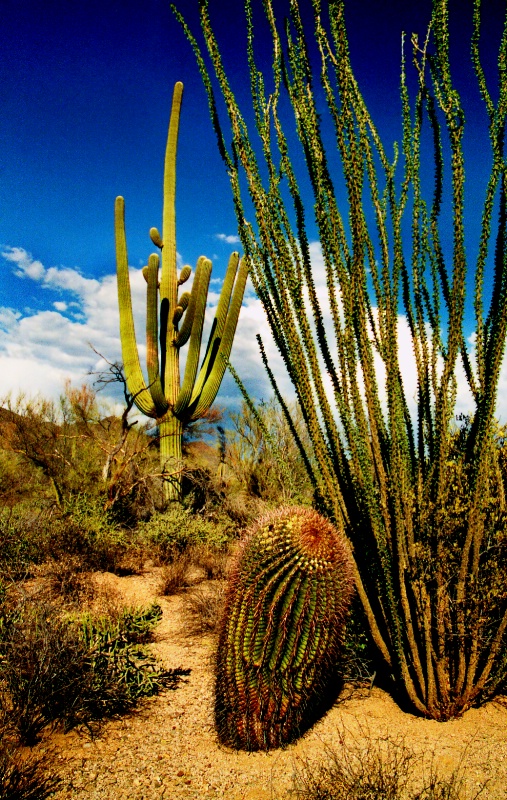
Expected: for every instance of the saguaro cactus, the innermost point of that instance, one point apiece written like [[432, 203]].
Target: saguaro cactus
[[179, 319], [282, 629]]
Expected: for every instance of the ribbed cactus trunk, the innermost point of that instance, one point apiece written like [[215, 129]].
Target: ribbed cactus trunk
[[170, 426], [282, 629], [171, 455]]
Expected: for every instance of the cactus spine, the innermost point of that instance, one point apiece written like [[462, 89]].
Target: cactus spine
[[180, 319], [282, 629]]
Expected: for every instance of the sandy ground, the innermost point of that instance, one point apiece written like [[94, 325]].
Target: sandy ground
[[168, 748]]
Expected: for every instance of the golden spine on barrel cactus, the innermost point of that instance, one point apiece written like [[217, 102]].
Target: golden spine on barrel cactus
[[282, 629]]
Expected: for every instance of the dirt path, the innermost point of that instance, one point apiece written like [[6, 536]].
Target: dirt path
[[168, 749]]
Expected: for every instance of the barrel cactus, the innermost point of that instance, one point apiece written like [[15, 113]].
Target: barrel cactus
[[282, 629]]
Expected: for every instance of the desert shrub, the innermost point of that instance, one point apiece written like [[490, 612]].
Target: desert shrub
[[203, 609], [218, 491], [78, 444], [80, 528], [23, 540], [211, 560], [174, 575], [195, 563], [42, 668], [128, 625], [87, 529], [121, 670], [381, 768], [69, 580], [175, 530], [75, 670], [201, 490], [261, 457], [24, 777], [254, 466], [18, 480]]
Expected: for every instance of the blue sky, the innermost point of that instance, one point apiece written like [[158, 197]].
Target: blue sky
[[85, 92]]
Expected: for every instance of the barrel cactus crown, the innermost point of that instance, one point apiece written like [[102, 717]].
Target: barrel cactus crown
[[282, 629]]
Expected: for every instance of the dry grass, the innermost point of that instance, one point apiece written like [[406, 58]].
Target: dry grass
[[210, 560], [70, 581], [377, 768], [24, 776], [174, 576], [195, 564], [203, 608]]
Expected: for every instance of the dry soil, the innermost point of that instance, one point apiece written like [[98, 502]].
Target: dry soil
[[168, 748]]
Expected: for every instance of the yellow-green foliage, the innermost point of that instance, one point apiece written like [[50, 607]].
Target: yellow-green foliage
[[261, 457]]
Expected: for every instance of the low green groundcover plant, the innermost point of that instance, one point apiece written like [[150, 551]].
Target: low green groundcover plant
[[75, 670]]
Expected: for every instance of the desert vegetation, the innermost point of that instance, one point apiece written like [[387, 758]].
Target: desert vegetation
[[82, 494], [376, 545], [421, 503], [72, 656]]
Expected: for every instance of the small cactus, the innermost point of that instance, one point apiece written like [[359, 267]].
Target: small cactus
[[282, 629]]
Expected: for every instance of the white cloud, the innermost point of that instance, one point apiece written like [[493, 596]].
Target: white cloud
[[8, 319], [25, 264], [58, 278], [228, 238], [40, 349]]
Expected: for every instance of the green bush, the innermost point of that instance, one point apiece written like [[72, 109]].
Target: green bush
[[23, 540], [18, 479], [81, 536], [173, 531], [85, 528], [75, 670], [131, 625], [80, 528]]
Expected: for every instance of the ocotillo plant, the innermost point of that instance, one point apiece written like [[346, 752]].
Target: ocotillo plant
[[423, 508], [282, 629], [180, 319]]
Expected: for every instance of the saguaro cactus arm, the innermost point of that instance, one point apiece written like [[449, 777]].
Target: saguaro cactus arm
[[152, 361], [221, 337], [195, 313], [168, 285], [133, 373]]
